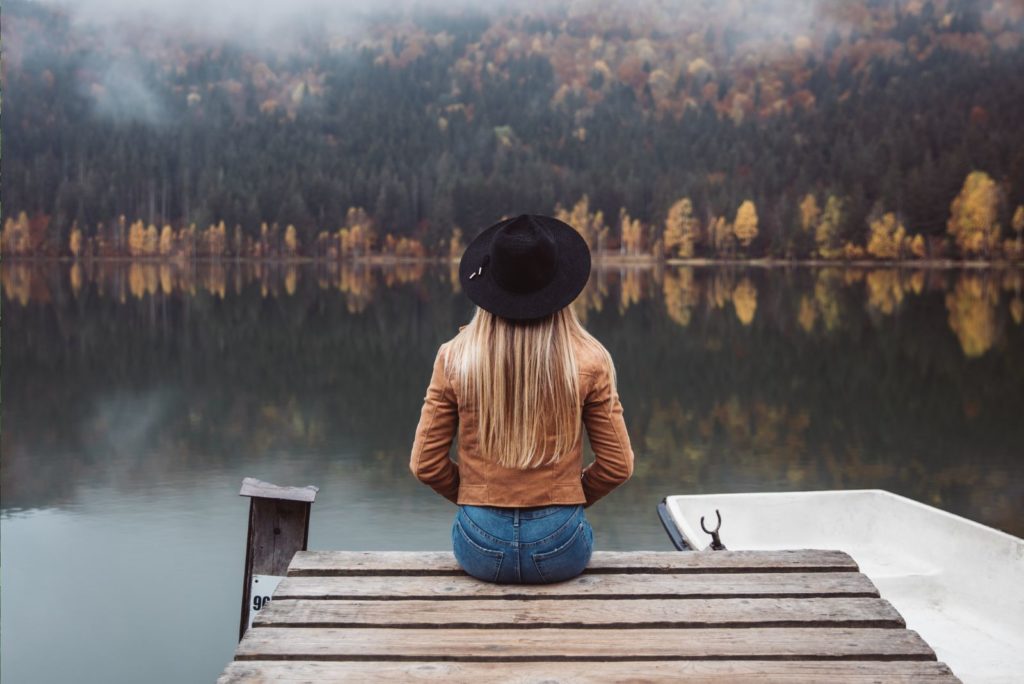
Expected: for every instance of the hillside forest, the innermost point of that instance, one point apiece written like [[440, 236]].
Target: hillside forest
[[830, 130]]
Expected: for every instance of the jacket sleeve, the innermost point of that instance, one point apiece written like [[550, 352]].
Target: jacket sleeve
[[613, 455], [439, 420]]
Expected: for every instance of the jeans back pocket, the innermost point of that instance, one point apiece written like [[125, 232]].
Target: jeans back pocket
[[568, 558], [478, 561]]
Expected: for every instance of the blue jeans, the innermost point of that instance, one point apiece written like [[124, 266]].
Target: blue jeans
[[522, 545]]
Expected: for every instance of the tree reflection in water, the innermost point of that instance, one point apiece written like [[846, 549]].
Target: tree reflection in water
[[733, 379]]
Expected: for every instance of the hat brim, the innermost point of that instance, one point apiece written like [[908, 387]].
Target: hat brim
[[570, 278]]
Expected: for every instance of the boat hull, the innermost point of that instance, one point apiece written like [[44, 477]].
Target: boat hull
[[958, 583]]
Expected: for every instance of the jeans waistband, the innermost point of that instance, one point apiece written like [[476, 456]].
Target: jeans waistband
[[526, 513]]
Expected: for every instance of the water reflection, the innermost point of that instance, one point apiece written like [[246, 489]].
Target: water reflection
[[973, 299], [733, 378]]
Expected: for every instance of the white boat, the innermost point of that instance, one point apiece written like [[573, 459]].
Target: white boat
[[958, 583]]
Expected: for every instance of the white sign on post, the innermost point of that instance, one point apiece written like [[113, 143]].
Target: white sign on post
[[260, 591]]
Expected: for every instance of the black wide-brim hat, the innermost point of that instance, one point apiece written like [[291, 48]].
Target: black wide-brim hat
[[525, 267]]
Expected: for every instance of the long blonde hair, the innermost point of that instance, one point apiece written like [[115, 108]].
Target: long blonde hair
[[523, 378]]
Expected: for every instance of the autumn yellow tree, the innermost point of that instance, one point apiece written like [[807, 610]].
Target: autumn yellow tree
[[826, 234], [136, 238], [916, 246], [166, 240], [150, 241], [15, 238], [590, 225], [75, 241], [358, 235], [886, 237], [810, 212], [745, 225], [1017, 223], [216, 239], [721, 235], [681, 229], [291, 240], [631, 231], [973, 213]]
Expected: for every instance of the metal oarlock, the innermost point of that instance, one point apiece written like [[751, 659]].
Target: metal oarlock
[[716, 543]]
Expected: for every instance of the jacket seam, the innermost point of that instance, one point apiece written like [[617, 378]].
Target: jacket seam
[[430, 424], [444, 372], [616, 426], [426, 433]]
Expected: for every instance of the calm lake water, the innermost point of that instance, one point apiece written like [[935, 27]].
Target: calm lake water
[[137, 397]]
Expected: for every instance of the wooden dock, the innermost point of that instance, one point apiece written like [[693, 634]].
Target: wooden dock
[[727, 616]]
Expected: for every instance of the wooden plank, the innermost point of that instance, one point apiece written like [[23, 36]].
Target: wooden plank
[[382, 643], [342, 563], [753, 585], [265, 490], [278, 528], [573, 613], [653, 672], [279, 531]]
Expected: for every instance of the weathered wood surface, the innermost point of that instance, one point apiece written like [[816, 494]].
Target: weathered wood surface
[[742, 672], [381, 643], [795, 617], [654, 672], [265, 490], [453, 587], [567, 613], [278, 529], [382, 563]]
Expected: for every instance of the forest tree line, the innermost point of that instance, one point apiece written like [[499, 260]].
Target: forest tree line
[[883, 130]]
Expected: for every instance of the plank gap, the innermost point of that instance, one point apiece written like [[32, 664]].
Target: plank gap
[[639, 570], [582, 597], [702, 624]]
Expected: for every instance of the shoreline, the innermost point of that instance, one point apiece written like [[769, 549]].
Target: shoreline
[[600, 261]]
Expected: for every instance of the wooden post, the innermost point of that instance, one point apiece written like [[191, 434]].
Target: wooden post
[[278, 527]]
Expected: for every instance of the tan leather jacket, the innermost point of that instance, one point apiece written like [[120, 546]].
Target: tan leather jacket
[[475, 480]]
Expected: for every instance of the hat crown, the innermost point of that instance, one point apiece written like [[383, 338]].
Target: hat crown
[[525, 267], [523, 255]]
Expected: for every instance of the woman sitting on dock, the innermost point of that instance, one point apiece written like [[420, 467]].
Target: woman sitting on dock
[[517, 384]]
